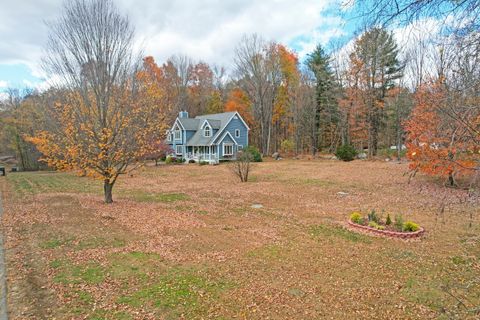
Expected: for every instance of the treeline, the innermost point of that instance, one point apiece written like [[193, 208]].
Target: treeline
[[370, 94]]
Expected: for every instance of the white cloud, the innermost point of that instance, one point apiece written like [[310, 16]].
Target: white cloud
[[3, 84], [205, 30]]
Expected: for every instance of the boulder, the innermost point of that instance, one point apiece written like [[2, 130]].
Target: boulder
[[362, 156], [276, 155]]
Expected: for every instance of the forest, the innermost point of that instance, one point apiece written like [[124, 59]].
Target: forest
[[419, 98]]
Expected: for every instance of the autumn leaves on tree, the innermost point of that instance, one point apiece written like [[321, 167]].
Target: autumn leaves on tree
[[110, 114], [110, 108]]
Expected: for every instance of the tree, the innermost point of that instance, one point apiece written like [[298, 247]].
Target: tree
[[259, 76], [325, 112], [214, 103], [464, 15], [375, 62], [242, 165], [439, 141], [103, 130], [239, 101]]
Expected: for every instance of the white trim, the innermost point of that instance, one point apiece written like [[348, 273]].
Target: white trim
[[237, 131], [238, 114], [226, 124], [178, 122], [176, 149], [206, 120], [175, 134], [223, 137], [228, 144], [209, 131]]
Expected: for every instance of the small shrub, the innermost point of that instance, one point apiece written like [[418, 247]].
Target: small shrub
[[372, 216], [410, 226], [346, 152], [389, 220], [170, 160], [256, 156], [287, 145], [241, 167], [202, 163], [375, 225], [356, 217], [191, 161], [399, 222]]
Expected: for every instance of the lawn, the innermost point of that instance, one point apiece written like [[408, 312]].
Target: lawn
[[190, 242]]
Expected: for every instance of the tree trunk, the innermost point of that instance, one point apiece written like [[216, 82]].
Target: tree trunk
[[107, 189], [451, 180]]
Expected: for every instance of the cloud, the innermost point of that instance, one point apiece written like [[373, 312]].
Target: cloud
[[3, 84], [205, 30]]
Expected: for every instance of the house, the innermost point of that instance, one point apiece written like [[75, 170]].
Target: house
[[210, 138]]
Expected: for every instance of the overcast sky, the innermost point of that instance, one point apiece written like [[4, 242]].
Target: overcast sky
[[205, 30]]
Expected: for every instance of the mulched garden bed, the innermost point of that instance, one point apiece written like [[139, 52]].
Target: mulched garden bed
[[388, 233]]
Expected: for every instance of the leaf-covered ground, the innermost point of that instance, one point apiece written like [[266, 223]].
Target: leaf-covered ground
[[184, 242]]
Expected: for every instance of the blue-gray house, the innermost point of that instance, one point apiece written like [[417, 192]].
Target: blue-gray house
[[210, 138]]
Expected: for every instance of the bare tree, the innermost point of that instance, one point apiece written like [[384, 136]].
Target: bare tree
[[258, 71], [241, 167], [103, 129], [183, 66]]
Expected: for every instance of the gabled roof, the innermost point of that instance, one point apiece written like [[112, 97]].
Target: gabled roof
[[215, 124], [217, 121], [189, 123]]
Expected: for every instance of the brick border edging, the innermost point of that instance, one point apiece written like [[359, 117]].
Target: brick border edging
[[388, 233]]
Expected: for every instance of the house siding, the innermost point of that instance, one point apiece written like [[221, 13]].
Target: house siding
[[232, 126], [226, 139], [221, 138]]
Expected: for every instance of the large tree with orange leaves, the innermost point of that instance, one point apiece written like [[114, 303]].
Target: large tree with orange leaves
[[443, 137], [109, 115]]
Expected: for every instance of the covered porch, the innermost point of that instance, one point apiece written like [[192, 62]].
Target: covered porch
[[202, 153]]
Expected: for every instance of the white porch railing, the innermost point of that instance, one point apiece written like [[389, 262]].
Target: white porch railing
[[198, 157]]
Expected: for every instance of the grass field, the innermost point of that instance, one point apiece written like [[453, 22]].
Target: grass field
[[187, 242]]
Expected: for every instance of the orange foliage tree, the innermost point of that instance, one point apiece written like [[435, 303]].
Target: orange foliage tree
[[238, 101], [439, 139], [282, 120]]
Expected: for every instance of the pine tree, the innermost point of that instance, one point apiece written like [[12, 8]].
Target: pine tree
[[326, 109], [376, 57]]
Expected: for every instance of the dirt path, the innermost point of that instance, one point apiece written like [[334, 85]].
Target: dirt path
[[3, 282]]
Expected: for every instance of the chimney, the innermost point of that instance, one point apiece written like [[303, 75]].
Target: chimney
[[183, 114]]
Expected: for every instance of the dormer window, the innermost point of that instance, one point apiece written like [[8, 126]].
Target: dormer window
[[207, 131]]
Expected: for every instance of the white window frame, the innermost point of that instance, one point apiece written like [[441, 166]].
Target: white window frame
[[209, 131], [181, 149], [169, 136], [178, 134], [237, 133], [227, 145]]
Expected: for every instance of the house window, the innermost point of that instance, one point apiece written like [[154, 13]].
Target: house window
[[179, 149], [237, 133], [228, 149], [207, 132], [169, 136], [178, 135]]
